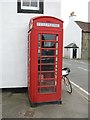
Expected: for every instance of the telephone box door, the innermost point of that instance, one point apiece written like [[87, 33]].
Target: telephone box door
[[49, 77]]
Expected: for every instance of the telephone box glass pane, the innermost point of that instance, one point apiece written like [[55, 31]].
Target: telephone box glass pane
[[48, 37], [46, 90], [38, 52], [46, 82], [48, 44], [39, 36], [48, 52], [56, 45], [46, 60], [45, 75], [38, 44], [46, 67]]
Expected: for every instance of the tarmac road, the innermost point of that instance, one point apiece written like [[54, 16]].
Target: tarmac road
[[79, 73]]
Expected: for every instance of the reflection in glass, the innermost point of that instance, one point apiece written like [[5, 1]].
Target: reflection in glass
[[48, 36], [46, 60], [47, 68], [46, 82], [48, 44], [56, 52], [38, 44], [46, 75], [48, 52], [38, 52], [56, 37], [56, 45]]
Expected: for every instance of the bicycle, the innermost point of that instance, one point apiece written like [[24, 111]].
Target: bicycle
[[65, 73]]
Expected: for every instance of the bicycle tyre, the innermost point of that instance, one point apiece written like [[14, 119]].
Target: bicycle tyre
[[68, 84]]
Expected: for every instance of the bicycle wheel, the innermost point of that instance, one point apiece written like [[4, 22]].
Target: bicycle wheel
[[68, 85]]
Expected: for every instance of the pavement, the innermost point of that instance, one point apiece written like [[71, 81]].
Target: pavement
[[15, 104]]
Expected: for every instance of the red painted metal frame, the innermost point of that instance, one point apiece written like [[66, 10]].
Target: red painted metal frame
[[34, 96]]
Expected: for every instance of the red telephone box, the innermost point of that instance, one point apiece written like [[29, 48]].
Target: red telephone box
[[45, 59]]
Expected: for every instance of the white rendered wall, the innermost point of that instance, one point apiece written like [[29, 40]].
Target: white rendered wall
[[0, 48], [71, 53], [67, 52], [73, 34], [14, 41], [53, 8]]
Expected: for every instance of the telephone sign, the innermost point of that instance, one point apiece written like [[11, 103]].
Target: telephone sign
[[48, 24]]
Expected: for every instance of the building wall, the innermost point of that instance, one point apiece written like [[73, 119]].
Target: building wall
[[67, 52], [15, 41], [73, 34], [85, 45], [0, 46]]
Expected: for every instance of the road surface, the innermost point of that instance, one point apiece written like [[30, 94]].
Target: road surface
[[79, 73]]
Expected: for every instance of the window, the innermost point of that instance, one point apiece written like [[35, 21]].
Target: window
[[30, 6]]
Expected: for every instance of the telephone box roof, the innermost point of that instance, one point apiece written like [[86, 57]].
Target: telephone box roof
[[41, 17]]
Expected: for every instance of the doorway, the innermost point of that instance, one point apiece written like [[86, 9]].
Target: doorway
[[74, 53]]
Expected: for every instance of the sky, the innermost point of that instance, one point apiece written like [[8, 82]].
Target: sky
[[80, 7]]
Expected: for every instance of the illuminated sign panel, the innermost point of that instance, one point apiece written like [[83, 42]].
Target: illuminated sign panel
[[47, 24]]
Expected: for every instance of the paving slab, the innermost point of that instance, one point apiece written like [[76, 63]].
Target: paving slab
[[16, 105]]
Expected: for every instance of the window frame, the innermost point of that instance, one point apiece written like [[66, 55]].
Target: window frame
[[26, 9]]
